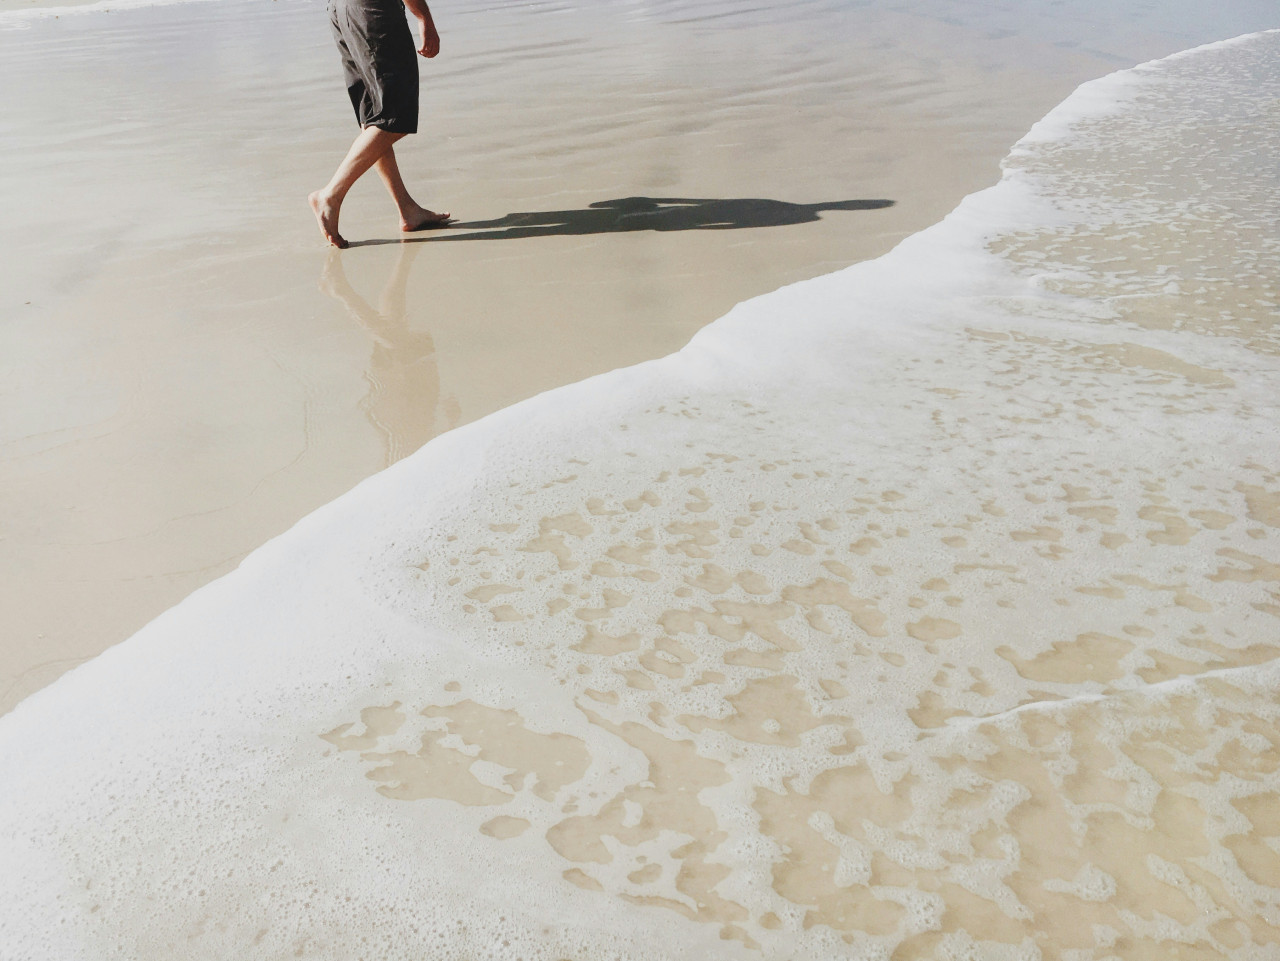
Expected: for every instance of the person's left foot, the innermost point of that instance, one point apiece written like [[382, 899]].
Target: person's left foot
[[326, 212], [423, 219]]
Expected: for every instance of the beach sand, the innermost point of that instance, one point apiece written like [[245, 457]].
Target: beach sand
[[187, 370], [924, 609]]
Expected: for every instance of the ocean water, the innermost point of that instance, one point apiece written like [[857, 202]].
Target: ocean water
[[925, 609]]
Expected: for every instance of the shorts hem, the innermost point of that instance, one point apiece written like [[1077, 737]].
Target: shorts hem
[[392, 126]]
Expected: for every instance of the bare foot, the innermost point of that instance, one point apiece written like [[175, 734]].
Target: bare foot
[[420, 218], [326, 212]]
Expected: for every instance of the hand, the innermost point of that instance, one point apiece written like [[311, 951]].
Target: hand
[[429, 46]]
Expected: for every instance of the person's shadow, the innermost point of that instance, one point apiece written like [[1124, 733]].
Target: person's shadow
[[641, 213]]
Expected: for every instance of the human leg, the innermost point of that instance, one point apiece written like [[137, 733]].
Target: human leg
[[371, 144], [413, 216], [380, 67]]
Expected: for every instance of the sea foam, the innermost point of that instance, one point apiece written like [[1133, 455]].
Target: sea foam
[[926, 609]]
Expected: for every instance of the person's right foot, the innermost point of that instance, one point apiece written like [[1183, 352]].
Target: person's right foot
[[326, 212], [420, 218]]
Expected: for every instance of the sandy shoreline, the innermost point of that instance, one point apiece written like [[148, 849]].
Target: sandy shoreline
[[187, 371], [924, 609]]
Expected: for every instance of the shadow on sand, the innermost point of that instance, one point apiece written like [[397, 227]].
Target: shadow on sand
[[637, 213]]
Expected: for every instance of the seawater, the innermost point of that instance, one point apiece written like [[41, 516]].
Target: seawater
[[927, 609]]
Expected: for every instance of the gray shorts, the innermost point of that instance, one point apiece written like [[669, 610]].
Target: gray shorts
[[379, 62]]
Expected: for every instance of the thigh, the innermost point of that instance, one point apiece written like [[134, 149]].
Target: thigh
[[377, 42]]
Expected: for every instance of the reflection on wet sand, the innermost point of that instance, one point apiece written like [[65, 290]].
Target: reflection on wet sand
[[404, 403]]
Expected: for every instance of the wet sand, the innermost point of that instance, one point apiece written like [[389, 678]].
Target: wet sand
[[922, 610], [187, 370]]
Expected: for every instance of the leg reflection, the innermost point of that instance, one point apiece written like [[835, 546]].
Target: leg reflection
[[404, 402]]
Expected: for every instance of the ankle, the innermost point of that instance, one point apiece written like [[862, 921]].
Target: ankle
[[332, 195]]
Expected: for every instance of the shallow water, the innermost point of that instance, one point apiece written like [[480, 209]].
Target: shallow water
[[923, 609]]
